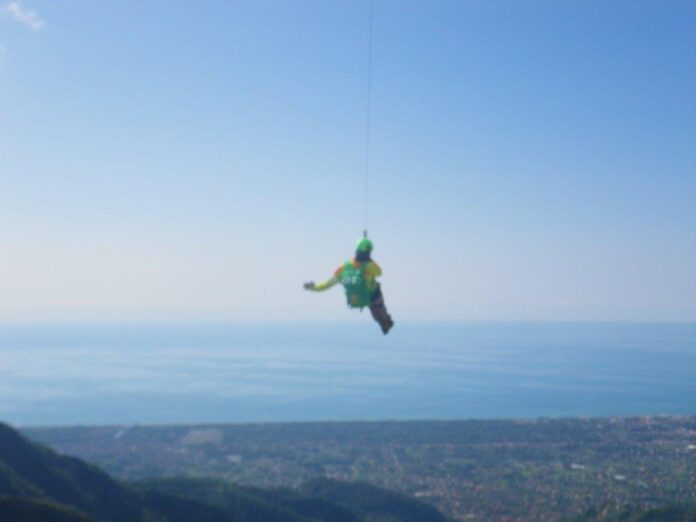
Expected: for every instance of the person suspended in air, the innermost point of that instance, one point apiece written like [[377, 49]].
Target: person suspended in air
[[359, 279]]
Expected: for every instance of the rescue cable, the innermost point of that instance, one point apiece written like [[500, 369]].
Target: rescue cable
[[368, 110]]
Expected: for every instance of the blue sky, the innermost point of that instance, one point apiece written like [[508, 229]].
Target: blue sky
[[181, 161]]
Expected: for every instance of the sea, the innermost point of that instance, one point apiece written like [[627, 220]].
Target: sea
[[127, 374]]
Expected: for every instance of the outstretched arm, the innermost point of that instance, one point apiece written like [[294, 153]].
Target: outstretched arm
[[324, 285]]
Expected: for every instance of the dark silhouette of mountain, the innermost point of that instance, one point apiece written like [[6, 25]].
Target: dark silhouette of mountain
[[25, 510], [231, 499], [249, 503], [28, 470], [36, 484], [372, 503], [311, 507], [177, 509]]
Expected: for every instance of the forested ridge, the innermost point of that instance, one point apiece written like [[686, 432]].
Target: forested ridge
[[38, 484]]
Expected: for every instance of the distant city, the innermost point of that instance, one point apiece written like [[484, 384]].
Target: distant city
[[470, 470]]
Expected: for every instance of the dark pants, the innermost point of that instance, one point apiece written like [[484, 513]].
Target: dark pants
[[379, 311]]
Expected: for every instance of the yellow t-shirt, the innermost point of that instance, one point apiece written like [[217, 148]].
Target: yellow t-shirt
[[372, 272]]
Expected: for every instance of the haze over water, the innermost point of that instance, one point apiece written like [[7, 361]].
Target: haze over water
[[240, 373]]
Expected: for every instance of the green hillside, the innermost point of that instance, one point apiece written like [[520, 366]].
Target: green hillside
[[25, 510], [371, 503], [250, 503], [37, 484], [321, 499], [28, 470]]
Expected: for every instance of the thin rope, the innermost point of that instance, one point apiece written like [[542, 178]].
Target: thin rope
[[368, 111]]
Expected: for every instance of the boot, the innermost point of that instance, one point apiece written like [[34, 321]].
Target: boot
[[379, 312]]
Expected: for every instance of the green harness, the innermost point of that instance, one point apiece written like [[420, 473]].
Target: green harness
[[353, 280]]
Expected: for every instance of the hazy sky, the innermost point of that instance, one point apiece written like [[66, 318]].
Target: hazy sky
[[170, 160]]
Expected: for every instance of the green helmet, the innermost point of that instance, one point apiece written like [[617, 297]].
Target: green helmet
[[364, 245]]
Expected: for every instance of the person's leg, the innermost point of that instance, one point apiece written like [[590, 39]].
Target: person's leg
[[379, 311]]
